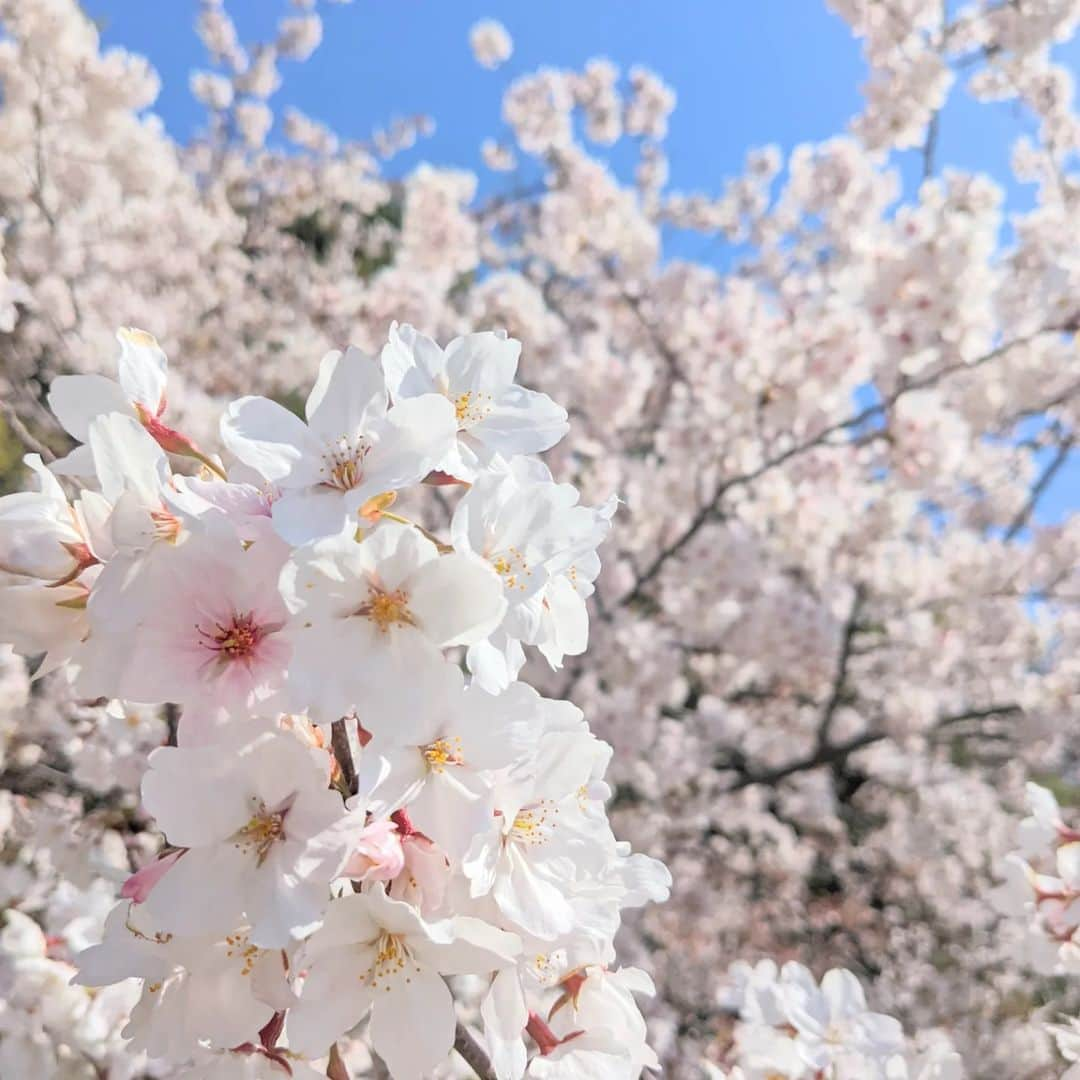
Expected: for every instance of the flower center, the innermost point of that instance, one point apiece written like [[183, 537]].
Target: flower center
[[392, 958], [237, 946], [166, 525], [471, 407], [235, 640], [263, 830], [511, 566], [343, 462], [443, 752], [386, 609], [533, 825]]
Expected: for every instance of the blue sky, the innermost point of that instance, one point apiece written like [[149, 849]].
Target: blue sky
[[746, 74]]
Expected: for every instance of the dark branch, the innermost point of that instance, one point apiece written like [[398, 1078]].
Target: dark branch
[[1039, 488], [825, 755], [839, 684], [339, 740], [473, 1053]]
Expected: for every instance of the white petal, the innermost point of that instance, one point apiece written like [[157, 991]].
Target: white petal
[[415, 436], [282, 908], [193, 796], [202, 892], [483, 363], [127, 458], [505, 1015], [272, 440], [530, 901], [457, 599], [333, 1000], [303, 516], [477, 948], [412, 362], [142, 368], [76, 400], [80, 462], [412, 1026], [843, 993], [452, 807], [522, 422], [349, 395]]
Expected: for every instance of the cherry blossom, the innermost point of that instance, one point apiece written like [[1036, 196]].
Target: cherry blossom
[[354, 446], [374, 952]]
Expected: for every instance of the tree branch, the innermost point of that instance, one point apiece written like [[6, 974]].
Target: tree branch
[[836, 696], [1064, 448], [712, 505], [825, 755], [473, 1053], [24, 434], [339, 741]]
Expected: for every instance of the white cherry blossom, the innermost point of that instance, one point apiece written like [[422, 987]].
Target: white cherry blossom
[[376, 953], [476, 373], [352, 447]]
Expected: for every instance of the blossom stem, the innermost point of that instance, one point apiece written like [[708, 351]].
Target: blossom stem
[[473, 1053], [339, 740], [443, 548], [210, 463]]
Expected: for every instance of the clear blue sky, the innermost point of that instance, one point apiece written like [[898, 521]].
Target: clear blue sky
[[746, 74]]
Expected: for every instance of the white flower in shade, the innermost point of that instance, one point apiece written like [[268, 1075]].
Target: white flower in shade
[[204, 627], [1043, 827], [136, 483], [40, 535], [1067, 1038], [597, 1027], [544, 839], [476, 373], [142, 372], [369, 620], [217, 990], [441, 774], [374, 952], [543, 547], [832, 1022], [264, 833], [353, 446], [46, 620]]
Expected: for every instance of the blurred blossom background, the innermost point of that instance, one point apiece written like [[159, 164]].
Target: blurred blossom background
[[806, 276]]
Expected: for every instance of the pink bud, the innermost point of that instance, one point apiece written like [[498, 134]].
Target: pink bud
[[377, 855], [139, 886]]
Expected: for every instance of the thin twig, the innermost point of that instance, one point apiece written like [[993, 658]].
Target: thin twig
[[929, 149], [1039, 488], [473, 1053], [24, 434], [839, 683]]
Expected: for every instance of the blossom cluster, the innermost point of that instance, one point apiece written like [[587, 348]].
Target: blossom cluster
[[792, 1028], [349, 818], [1041, 886]]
